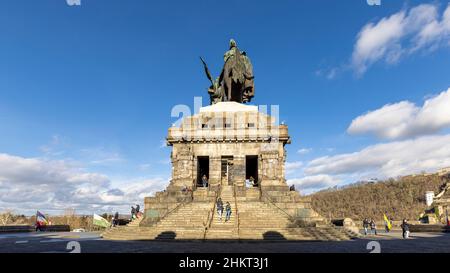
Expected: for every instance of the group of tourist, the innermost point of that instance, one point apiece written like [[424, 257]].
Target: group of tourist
[[185, 189], [115, 219], [219, 206], [370, 223], [135, 212]]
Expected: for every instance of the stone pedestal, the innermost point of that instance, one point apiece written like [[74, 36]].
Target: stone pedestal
[[228, 143]]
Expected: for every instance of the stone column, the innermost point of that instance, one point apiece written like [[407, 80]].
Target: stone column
[[214, 172], [271, 172], [183, 172], [239, 170]]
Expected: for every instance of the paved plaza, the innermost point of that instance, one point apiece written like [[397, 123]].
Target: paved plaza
[[90, 242]]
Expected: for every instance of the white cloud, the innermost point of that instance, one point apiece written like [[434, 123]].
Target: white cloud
[[402, 33], [304, 151], [29, 184], [162, 143], [405, 119], [144, 166], [329, 73], [55, 147], [387, 159], [314, 182], [293, 166], [100, 156]]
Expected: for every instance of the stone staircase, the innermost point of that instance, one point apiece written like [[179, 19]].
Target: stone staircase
[[220, 229], [261, 221], [250, 220], [186, 222]]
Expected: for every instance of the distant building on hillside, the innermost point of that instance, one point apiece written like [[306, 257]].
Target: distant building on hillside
[[443, 171]]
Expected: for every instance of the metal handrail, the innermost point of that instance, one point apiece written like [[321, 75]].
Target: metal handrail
[[205, 225], [269, 200], [237, 212], [175, 209], [214, 206], [210, 218]]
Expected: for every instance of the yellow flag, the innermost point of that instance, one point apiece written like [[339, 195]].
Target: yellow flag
[[389, 224]]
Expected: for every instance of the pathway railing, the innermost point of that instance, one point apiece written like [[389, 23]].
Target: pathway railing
[[178, 206], [210, 217], [238, 224], [268, 200]]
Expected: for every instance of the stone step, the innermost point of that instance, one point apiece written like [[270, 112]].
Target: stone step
[[257, 221], [253, 234]]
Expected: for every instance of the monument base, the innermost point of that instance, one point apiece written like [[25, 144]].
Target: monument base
[[239, 153]]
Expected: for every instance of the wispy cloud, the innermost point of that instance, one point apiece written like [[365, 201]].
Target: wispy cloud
[[304, 151], [162, 143], [423, 28], [144, 166], [291, 167], [387, 159], [418, 147], [55, 147], [405, 119], [401, 34], [315, 182], [53, 186], [100, 156]]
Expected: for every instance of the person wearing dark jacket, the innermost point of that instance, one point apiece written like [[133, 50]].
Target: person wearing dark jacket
[[133, 213], [365, 225], [138, 208], [227, 211], [219, 206], [405, 229], [115, 221], [204, 181], [373, 227]]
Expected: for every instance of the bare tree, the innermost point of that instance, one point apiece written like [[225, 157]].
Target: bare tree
[[6, 218]]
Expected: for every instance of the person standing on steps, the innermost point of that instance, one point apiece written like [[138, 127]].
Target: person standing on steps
[[204, 181], [115, 221], [219, 206], [138, 208], [133, 213], [228, 211], [253, 182]]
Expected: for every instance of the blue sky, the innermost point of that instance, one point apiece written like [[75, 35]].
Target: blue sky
[[86, 91]]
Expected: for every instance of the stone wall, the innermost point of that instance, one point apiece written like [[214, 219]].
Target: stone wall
[[162, 203], [221, 132]]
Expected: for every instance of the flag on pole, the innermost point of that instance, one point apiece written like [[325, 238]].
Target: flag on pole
[[100, 221], [389, 224], [40, 219]]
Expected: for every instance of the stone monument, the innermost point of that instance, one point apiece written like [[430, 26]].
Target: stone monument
[[235, 152]]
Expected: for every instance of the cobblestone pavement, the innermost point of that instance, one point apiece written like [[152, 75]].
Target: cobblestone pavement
[[92, 243]]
